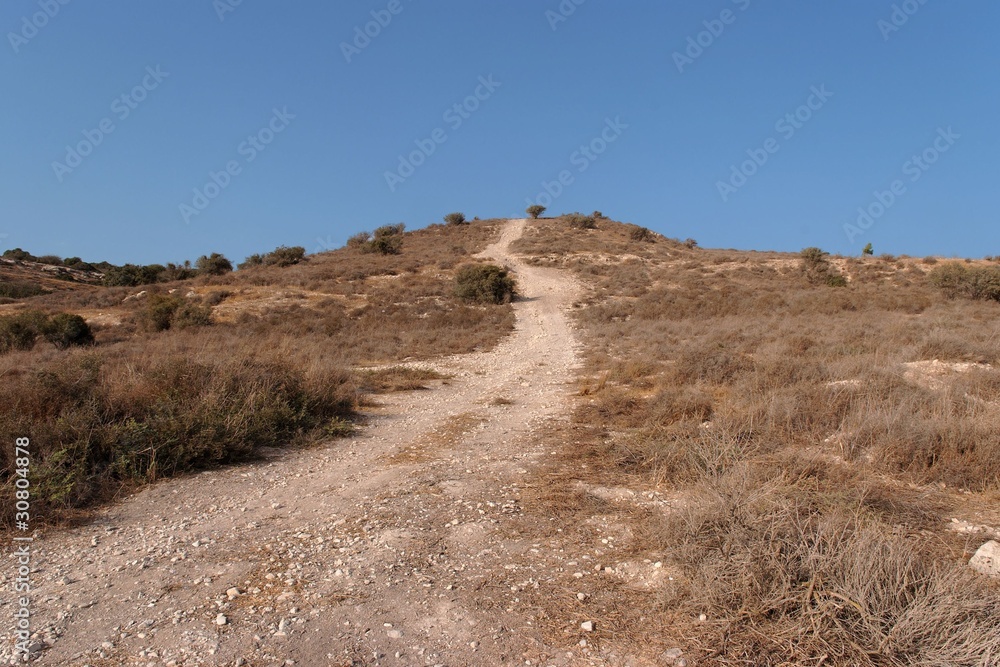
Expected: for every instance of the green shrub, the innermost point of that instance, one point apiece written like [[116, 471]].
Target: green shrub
[[868, 250], [484, 283], [359, 241], [16, 289], [386, 240], [51, 260], [132, 275], [580, 221], [637, 233], [78, 264], [976, 282], [18, 255], [65, 330], [455, 219], [386, 245], [818, 270], [166, 311], [281, 256], [21, 330], [285, 256], [535, 210], [252, 260], [159, 312], [191, 314], [214, 264]]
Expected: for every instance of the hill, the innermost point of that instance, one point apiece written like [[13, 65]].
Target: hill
[[656, 454]]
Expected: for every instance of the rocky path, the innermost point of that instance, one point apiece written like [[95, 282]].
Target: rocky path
[[405, 545]]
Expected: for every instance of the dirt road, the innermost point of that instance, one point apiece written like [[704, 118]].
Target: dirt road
[[405, 545]]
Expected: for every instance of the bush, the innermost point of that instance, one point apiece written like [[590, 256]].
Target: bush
[[191, 314], [51, 260], [690, 244], [18, 255], [977, 282], [285, 256], [281, 256], [132, 275], [868, 250], [580, 221], [20, 331], [637, 233], [535, 210], [386, 240], [65, 330], [484, 283], [78, 264], [16, 289], [159, 312], [214, 264], [390, 230], [359, 241], [252, 260], [386, 245], [455, 219], [102, 424], [818, 270]]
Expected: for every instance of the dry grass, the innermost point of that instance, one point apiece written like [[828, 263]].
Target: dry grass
[[818, 456], [283, 362]]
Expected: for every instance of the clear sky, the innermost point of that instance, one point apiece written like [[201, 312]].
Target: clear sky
[[740, 123]]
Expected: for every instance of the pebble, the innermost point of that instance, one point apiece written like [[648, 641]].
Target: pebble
[[221, 619], [587, 626]]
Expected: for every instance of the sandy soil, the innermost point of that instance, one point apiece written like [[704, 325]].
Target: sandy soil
[[405, 545]]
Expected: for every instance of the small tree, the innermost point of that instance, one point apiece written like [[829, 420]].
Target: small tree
[[214, 264], [580, 221], [65, 330], [359, 241], [455, 219], [20, 331], [386, 245], [868, 250], [637, 233], [818, 270], [285, 256], [535, 210], [484, 283]]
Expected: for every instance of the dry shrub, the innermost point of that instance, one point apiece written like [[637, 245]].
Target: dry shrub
[[784, 419], [99, 422], [783, 579]]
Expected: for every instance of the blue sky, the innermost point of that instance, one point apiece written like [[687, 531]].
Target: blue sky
[[740, 123]]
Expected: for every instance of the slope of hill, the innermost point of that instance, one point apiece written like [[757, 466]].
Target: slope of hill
[[676, 456]]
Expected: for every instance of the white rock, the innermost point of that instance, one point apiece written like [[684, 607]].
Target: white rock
[[673, 653], [587, 626], [987, 559], [221, 619]]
